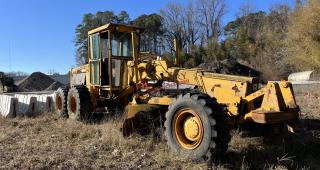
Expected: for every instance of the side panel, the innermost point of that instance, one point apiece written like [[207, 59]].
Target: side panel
[[78, 75]]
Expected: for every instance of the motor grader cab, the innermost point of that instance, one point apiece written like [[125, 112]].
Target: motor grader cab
[[197, 107], [111, 49]]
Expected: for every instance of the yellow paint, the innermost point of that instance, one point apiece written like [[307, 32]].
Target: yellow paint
[[133, 109], [114, 27], [164, 100], [277, 103], [191, 128], [286, 91], [188, 128], [238, 94]]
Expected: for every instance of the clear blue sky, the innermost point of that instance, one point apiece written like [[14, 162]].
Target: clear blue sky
[[38, 34]]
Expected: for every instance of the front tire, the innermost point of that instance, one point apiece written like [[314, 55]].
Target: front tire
[[79, 103], [195, 127]]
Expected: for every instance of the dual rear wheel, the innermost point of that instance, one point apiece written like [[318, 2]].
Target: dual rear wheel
[[74, 103]]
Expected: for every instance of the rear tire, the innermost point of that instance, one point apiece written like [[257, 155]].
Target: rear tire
[[195, 127], [61, 102], [79, 103]]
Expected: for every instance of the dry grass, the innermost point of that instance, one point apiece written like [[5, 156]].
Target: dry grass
[[49, 142], [261, 149]]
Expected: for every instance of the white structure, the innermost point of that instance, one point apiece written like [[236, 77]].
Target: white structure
[[8, 105], [305, 77], [300, 76], [26, 104]]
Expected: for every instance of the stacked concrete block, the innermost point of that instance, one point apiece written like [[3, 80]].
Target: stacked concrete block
[[8, 106], [50, 103], [26, 104]]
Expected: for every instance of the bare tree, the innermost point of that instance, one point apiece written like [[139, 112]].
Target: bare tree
[[174, 22], [246, 9], [212, 12], [193, 25]]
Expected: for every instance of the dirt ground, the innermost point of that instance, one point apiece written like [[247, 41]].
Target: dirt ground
[[49, 142]]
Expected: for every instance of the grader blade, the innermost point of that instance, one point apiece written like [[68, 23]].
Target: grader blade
[[140, 119]]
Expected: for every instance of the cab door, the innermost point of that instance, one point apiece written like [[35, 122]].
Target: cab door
[[121, 49], [94, 59]]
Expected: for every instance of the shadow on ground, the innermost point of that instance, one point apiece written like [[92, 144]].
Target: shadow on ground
[[260, 148], [263, 149], [283, 151]]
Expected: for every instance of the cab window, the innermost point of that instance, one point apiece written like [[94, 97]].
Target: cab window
[[121, 44], [94, 59]]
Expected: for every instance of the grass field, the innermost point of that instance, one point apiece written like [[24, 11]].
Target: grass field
[[49, 142]]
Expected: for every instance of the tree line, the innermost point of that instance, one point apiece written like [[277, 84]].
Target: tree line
[[275, 43]]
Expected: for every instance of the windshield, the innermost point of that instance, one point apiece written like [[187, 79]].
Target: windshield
[[121, 44]]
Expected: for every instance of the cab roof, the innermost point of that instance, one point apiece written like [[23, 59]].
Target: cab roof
[[117, 27]]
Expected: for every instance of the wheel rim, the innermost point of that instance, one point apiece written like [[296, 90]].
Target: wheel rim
[[59, 103], [73, 106], [188, 128]]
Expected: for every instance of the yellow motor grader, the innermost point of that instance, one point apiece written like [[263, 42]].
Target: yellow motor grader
[[198, 106]]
